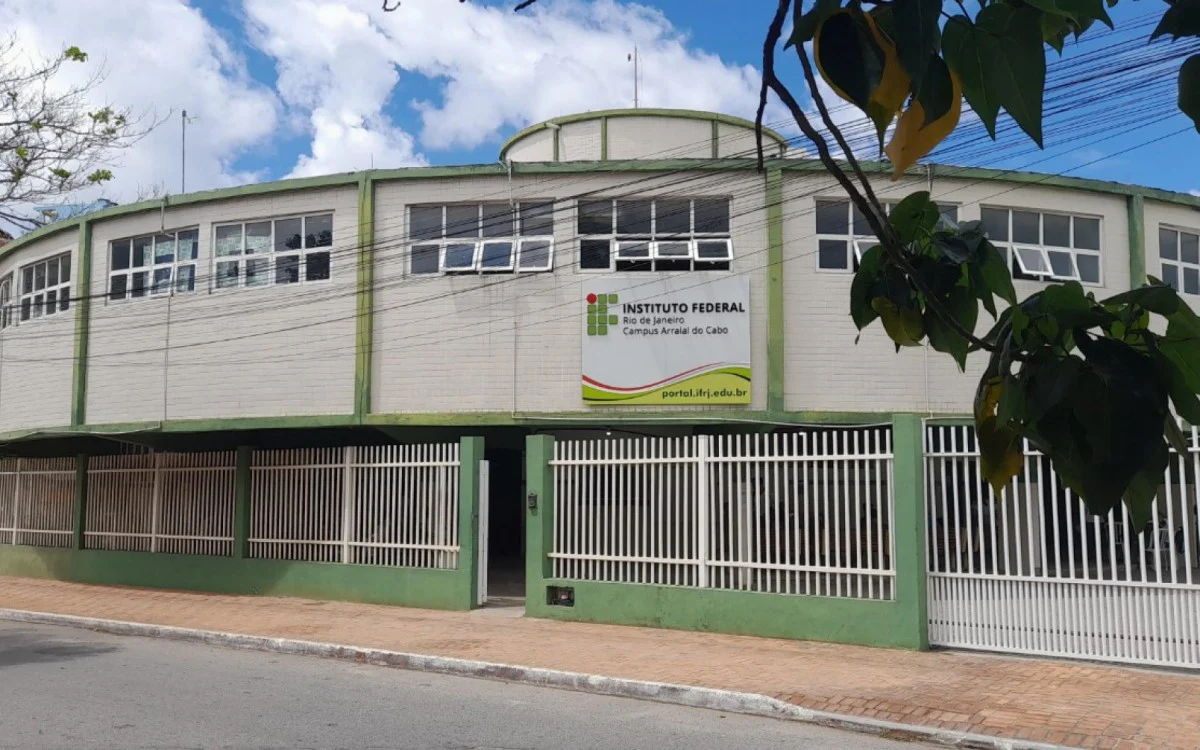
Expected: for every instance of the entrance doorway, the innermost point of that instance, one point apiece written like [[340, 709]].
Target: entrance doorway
[[506, 526]]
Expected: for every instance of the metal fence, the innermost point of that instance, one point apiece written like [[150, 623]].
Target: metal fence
[[379, 505], [805, 512], [180, 503], [1032, 571], [37, 500]]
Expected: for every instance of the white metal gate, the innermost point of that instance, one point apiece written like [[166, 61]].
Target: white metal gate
[[799, 513], [1033, 572], [37, 501], [484, 513]]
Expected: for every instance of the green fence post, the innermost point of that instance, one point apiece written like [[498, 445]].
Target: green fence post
[[80, 520], [908, 482], [539, 529], [241, 504], [470, 453]]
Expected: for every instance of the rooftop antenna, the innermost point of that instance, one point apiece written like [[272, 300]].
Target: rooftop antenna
[[634, 58], [183, 123]]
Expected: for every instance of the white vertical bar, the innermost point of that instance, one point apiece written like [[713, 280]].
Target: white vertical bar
[[703, 450], [484, 509], [1170, 530], [348, 489], [17, 502], [155, 499]]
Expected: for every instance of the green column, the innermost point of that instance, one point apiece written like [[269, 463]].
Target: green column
[[908, 484], [81, 490], [470, 453], [365, 296], [1136, 208], [241, 504], [775, 340], [539, 525], [82, 302]]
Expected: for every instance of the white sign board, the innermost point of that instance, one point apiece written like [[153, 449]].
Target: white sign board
[[682, 340]]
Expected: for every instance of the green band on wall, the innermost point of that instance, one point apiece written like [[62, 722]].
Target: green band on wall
[[79, 521], [539, 526], [908, 497], [83, 286], [365, 295], [1136, 206], [470, 453], [603, 139], [775, 335], [716, 140]]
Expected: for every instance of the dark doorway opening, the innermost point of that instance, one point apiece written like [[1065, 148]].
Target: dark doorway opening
[[506, 525]]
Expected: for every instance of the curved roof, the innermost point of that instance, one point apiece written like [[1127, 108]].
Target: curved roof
[[682, 114]]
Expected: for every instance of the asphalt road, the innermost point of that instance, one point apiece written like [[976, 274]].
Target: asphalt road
[[67, 688]]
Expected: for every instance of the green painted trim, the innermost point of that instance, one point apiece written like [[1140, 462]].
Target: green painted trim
[[908, 533], [218, 425], [539, 521], [818, 618], [410, 587], [554, 135], [716, 140], [470, 453], [1136, 207], [776, 375], [603, 139], [79, 517], [683, 114], [364, 329], [83, 307], [241, 503]]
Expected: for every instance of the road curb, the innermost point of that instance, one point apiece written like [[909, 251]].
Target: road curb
[[697, 697]]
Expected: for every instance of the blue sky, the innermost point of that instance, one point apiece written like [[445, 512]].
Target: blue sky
[[297, 87]]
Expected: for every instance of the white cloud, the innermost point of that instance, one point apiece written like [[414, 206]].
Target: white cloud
[[161, 57], [494, 69], [1194, 192]]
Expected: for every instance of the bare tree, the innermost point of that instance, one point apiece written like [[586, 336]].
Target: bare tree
[[54, 140]]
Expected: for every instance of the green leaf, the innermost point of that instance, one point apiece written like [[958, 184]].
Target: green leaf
[[804, 25], [1181, 19], [962, 306], [74, 54], [903, 324], [1079, 11], [912, 215], [22, 152], [1055, 30], [1001, 62], [996, 273], [1175, 435], [60, 173], [936, 94], [849, 57], [917, 37], [1189, 89], [862, 288]]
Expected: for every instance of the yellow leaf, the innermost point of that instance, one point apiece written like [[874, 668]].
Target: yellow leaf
[[1000, 454], [903, 324], [889, 97], [911, 142]]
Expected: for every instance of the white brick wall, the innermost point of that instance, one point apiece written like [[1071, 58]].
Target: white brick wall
[[826, 371], [537, 146], [580, 141], [446, 344], [659, 138]]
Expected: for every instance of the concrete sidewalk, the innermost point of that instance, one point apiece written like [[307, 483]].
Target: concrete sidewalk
[[1072, 704]]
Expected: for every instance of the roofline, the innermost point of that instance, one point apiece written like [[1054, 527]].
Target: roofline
[[351, 179], [683, 114]]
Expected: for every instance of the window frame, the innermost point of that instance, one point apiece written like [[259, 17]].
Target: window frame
[[62, 301], [272, 254], [853, 239], [1178, 262], [1008, 247], [652, 239], [8, 310], [517, 239], [173, 266]]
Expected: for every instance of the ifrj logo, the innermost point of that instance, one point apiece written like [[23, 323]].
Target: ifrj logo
[[598, 317]]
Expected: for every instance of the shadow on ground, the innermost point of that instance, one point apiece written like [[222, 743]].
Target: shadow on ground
[[24, 646]]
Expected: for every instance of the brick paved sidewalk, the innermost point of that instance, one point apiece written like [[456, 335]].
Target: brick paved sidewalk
[[1078, 705]]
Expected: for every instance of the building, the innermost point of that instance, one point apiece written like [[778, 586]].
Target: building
[[245, 389]]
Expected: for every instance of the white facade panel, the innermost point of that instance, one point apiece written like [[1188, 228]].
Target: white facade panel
[[537, 146], [580, 141], [659, 138], [737, 142]]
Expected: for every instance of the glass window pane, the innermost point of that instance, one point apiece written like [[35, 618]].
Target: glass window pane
[[594, 253], [947, 214], [164, 248], [143, 252], [287, 269], [497, 256], [51, 302], [1025, 227], [287, 237], [316, 266], [187, 245], [672, 217], [673, 249], [318, 230], [595, 217], [1056, 229], [712, 215], [1170, 275], [228, 238], [537, 219], [120, 255], [462, 221], [633, 250], [1089, 268], [52, 273], [833, 254], [1032, 260], [633, 217], [39, 276], [117, 287], [1189, 249], [1191, 280], [859, 222], [995, 223], [1087, 233], [185, 279], [424, 259], [534, 255], [460, 256], [139, 283], [26, 307], [64, 298], [498, 220], [258, 271], [227, 274], [64, 269], [1168, 244], [1061, 264], [162, 281], [38, 301], [425, 222], [714, 250], [833, 218], [258, 237], [26, 279]]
